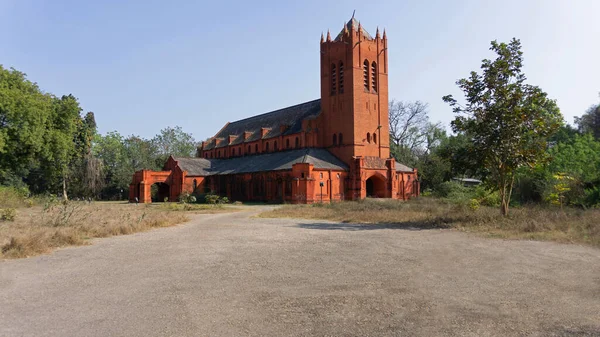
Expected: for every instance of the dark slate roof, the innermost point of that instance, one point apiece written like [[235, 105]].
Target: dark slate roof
[[320, 158], [291, 117], [353, 25], [402, 168]]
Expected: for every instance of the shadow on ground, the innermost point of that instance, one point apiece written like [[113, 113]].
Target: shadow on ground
[[346, 226]]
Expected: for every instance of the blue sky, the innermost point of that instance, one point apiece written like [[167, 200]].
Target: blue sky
[[143, 65]]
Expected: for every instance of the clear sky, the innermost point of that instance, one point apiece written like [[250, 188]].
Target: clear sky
[[143, 65]]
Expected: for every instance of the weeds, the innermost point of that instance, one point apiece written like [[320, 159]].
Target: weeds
[[8, 214], [38, 230], [530, 222]]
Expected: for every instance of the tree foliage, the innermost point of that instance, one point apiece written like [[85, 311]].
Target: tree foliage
[[589, 122], [24, 114], [507, 121], [175, 142], [48, 146]]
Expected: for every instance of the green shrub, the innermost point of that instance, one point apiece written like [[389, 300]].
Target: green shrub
[[8, 214], [592, 197], [427, 193], [487, 197], [211, 198], [187, 198], [474, 204], [455, 192], [13, 197]]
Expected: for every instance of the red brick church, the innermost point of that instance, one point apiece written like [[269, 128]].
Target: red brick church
[[332, 148]]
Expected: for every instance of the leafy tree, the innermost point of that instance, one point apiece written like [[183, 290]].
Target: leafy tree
[[173, 141], [87, 174], [59, 139], [111, 151], [456, 152], [433, 168], [507, 121], [564, 134], [579, 158], [141, 154], [590, 121], [24, 114]]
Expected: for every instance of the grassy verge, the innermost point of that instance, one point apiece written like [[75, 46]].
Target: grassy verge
[[198, 208], [532, 222], [40, 229]]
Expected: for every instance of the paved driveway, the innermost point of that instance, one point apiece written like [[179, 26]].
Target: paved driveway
[[232, 275]]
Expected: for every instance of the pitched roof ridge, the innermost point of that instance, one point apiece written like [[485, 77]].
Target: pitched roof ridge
[[274, 111], [305, 157]]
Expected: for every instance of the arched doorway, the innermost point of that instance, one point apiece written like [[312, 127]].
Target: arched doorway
[[375, 187], [159, 192]]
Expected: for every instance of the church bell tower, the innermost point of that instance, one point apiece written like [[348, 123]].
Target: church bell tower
[[354, 93]]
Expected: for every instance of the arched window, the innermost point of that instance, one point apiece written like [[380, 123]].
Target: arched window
[[334, 139], [341, 139], [256, 148], [366, 74], [219, 154], [297, 142], [267, 147], [341, 76], [233, 152], [287, 143], [375, 138], [195, 185], [275, 147], [368, 137], [249, 149], [374, 76], [333, 79]]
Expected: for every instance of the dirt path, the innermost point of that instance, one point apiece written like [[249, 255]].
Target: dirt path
[[231, 275]]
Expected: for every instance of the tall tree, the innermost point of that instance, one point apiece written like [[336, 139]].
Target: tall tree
[[408, 123], [87, 175], [60, 139], [111, 151], [141, 154], [589, 122], [173, 141], [24, 114], [507, 121]]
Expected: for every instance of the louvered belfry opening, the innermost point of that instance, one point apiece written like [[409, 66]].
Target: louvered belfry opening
[[374, 76], [366, 74], [333, 79], [341, 70]]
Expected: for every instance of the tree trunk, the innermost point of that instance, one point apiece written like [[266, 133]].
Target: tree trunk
[[64, 186], [505, 194], [504, 206]]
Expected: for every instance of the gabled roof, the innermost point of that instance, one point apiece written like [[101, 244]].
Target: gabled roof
[[320, 158], [353, 25], [402, 168], [291, 117]]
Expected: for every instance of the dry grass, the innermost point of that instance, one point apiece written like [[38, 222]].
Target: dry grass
[[40, 229], [199, 208], [531, 222]]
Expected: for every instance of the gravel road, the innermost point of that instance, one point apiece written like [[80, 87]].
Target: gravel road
[[235, 275]]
